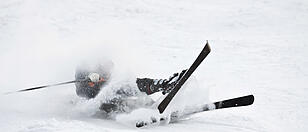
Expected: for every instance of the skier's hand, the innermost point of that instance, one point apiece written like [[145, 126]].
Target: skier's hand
[[94, 77]]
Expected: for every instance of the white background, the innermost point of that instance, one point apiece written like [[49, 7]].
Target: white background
[[258, 47]]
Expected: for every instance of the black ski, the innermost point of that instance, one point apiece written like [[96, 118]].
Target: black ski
[[163, 105], [235, 102]]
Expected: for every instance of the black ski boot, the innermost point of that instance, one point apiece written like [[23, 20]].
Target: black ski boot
[[150, 86]]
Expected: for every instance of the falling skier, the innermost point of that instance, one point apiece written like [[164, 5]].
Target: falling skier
[[92, 81]]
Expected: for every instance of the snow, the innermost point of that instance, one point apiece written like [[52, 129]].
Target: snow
[[258, 47]]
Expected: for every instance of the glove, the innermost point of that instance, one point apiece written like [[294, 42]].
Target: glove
[[94, 77]]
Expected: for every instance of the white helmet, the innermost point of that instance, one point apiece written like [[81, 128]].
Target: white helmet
[[94, 77]]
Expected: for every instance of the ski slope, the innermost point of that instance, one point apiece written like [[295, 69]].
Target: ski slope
[[258, 47]]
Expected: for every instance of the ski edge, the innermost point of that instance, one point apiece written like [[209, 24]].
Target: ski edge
[[203, 54]]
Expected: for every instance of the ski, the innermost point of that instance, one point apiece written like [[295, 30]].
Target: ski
[[163, 105], [229, 103]]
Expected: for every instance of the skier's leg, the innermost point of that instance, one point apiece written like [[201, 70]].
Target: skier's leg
[[111, 106], [150, 86], [126, 100]]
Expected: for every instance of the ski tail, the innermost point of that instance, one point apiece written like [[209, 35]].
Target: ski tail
[[163, 105]]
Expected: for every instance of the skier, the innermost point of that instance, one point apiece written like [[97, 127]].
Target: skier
[[93, 80]]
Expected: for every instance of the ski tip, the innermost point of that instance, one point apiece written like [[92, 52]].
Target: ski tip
[[252, 98], [207, 45]]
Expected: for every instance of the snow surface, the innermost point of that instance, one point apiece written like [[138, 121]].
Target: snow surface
[[258, 47]]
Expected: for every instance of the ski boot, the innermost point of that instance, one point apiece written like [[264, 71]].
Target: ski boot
[[150, 86]]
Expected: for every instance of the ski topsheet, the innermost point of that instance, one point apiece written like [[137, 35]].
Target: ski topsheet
[[163, 105], [229, 103]]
